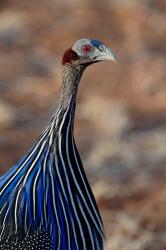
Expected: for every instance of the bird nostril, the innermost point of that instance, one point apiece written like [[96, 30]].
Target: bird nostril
[[101, 48]]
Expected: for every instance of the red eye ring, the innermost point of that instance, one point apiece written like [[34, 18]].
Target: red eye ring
[[86, 48]]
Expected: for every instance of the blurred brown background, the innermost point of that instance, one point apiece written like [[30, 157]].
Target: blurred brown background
[[121, 114]]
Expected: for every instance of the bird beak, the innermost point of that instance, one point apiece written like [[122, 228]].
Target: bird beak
[[107, 54]]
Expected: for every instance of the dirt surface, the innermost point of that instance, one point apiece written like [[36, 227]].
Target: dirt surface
[[120, 124]]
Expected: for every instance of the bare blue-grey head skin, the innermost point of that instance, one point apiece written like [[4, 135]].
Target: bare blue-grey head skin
[[90, 51], [77, 58], [86, 51], [45, 199]]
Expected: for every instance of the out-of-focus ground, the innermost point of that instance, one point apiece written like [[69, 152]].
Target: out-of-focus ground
[[121, 114]]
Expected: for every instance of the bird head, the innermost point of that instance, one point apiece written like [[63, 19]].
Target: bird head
[[86, 52]]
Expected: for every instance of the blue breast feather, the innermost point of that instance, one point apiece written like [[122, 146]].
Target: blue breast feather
[[48, 190]]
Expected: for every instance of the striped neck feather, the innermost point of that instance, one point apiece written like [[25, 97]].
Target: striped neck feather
[[47, 190]]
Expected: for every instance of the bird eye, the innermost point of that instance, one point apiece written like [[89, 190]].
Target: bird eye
[[86, 48]]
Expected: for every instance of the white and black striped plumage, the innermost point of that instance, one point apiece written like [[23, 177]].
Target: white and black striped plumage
[[45, 199]]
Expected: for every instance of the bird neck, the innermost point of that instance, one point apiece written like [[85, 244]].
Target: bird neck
[[70, 80]]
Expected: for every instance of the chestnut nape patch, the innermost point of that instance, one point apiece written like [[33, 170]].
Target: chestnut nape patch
[[68, 56]]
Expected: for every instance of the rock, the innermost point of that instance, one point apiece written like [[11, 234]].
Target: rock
[[7, 115], [40, 63], [110, 117], [13, 29]]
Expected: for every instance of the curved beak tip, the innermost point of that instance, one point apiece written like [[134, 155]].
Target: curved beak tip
[[115, 59], [111, 55], [108, 54]]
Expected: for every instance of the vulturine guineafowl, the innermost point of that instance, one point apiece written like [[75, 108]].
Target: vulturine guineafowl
[[45, 199]]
